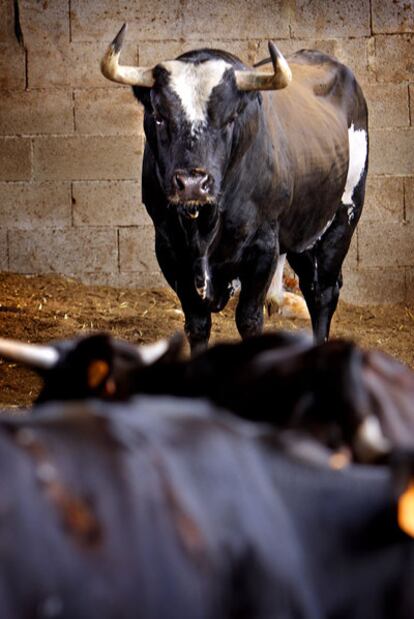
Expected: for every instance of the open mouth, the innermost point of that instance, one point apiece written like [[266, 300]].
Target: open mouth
[[190, 209]]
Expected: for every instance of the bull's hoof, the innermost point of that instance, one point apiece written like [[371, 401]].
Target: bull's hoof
[[288, 305]]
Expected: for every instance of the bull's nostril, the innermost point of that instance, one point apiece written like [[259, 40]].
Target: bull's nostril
[[205, 183], [179, 182]]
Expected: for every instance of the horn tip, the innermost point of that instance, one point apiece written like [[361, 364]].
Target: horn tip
[[119, 39]]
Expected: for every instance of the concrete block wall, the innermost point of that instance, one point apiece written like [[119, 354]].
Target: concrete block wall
[[71, 142]]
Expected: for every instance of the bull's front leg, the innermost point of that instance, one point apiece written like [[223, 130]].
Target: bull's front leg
[[255, 277]]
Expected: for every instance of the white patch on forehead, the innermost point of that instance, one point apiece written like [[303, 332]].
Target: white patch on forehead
[[193, 84], [358, 149]]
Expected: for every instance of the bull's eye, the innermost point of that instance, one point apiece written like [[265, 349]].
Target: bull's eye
[[159, 121], [231, 120]]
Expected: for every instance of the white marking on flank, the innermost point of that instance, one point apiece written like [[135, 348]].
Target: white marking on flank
[[358, 149], [193, 84]]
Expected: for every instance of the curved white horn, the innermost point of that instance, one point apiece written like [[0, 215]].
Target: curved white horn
[[370, 442], [36, 355], [152, 352], [111, 69], [258, 80]]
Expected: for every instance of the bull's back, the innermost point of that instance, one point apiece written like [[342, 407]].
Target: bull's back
[[311, 118]]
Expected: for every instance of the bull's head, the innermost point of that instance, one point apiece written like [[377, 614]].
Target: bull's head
[[193, 104]]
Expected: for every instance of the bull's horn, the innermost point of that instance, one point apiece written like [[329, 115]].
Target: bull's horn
[[258, 80], [133, 76], [35, 355], [150, 353], [370, 441]]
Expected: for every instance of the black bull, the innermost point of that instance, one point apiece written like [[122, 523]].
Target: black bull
[[171, 508], [341, 395], [233, 178]]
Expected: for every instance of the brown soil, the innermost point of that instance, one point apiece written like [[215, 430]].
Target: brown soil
[[45, 308]]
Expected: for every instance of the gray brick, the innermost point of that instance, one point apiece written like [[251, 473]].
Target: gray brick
[[409, 199], [108, 203], [70, 251], [331, 18], [7, 33], [42, 22], [387, 105], [374, 286], [392, 152], [384, 199], [75, 65], [12, 67], [386, 245], [87, 158], [15, 159], [231, 19], [35, 205], [394, 58], [395, 16], [108, 111], [3, 250], [357, 54], [156, 20], [151, 279], [136, 250], [410, 286], [32, 112]]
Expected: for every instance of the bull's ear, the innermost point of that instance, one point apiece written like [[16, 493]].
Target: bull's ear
[[406, 510]]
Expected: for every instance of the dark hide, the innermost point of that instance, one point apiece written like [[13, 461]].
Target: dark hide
[[326, 390], [277, 164], [169, 508]]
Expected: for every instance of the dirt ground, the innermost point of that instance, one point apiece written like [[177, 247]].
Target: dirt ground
[[45, 308]]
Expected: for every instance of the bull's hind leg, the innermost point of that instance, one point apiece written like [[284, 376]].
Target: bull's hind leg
[[320, 269]]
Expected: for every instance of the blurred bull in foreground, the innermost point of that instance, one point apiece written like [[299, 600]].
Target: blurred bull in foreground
[[343, 396], [171, 508]]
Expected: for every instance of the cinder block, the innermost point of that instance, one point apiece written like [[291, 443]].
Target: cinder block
[[384, 199], [357, 55], [291, 46], [7, 33], [392, 17], [108, 203], [75, 65], [87, 158], [15, 159], [386, 245], [136, 250], [37, 111], [231, 19], [374, 286], [12, 67], [331, 18], [44, 21], [409, 199], [410, 286], [156, 20], [152, 53], [392, 151], [70, 251], [393, 60], [3, 250], [125, 280], [108, 111], [387, 105], [35, 205]]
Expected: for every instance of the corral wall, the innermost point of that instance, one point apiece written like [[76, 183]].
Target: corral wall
[[71, 142]]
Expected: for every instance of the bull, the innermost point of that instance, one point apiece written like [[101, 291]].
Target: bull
[[351, 400], [172, 508], [236, 179]]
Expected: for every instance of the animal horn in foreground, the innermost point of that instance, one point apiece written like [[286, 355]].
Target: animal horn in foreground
[[258, 80], [111, 69], [35, 355]]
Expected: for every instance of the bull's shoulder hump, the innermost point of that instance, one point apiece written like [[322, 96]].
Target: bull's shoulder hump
[[321, 74]]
